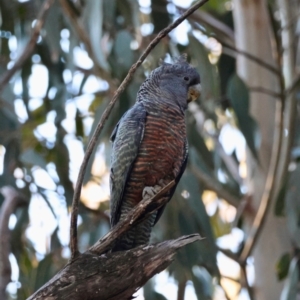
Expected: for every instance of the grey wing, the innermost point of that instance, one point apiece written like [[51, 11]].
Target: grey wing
[[126, 138]]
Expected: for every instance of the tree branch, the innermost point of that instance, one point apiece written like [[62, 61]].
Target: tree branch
[[132, 218], [12, 200], [98, 273], [112, 276], [215, 186], [93, 141], [30, 45]]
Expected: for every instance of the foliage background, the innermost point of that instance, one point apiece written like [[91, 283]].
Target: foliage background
[[51, 105]]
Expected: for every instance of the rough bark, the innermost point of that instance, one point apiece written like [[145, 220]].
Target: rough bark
[[99, 274], [112, 276], [254, 35]]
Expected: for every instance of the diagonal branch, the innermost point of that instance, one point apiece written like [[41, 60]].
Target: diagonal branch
[[93, 141], [132, 218], [30, 46], [215, 186], [112, 276], [98, 273]]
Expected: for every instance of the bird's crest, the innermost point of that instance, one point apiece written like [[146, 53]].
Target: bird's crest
[[181, 59]]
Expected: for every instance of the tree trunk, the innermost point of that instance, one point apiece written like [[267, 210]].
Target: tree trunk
[[254, 35]]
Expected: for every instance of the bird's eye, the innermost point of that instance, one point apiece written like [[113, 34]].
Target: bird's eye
[[186, 78]]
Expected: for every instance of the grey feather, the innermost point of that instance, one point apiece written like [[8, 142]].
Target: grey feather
[[126, 138]]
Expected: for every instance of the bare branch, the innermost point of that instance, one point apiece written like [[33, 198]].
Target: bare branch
[[260, 89], [112, 276], [253, 58], [132, 218], [93, 141], [219, 28], [11, 201], [30, 46], [230, 254]]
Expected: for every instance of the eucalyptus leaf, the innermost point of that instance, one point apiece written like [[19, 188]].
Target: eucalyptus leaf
[[32, 158], [93, 19], [282, 266], [239, 96], [292, 205]]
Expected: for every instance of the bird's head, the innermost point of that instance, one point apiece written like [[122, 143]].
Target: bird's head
[[180, 80]]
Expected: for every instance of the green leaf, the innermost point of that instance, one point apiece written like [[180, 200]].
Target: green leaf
[[202, 283], [279, 208], [292, 206], [282, 266], [290, 288], [44, 271], [239, 96], [196, 140], [193, 218], [32, 158], [123, 55], [93, 19]]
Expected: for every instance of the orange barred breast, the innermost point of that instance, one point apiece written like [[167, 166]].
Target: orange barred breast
[[160, 156]]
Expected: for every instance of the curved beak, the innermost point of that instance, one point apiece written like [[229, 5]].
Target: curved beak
[[194, 92]]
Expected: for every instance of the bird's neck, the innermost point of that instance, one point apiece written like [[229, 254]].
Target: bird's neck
[[154, 98]]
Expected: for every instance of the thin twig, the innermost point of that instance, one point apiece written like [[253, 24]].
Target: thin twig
[[245, 281], [254, 58], [230, 254], [250, 56], [294, 86], [93, 141], [30, 45], [215, 186], [181, 289], [259, 89], [136, 215]]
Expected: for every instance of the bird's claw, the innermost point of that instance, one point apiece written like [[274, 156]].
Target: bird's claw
[[151, 191]]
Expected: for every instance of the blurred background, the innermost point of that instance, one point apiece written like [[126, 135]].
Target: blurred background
[[240, 189]]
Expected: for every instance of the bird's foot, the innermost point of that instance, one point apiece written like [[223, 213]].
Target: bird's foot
[[150, 191]]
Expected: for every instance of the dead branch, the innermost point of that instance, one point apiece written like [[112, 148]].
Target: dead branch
[[118, 275], [106, 113], [134, 217], [30, 46], [12, 200], [112, 276]]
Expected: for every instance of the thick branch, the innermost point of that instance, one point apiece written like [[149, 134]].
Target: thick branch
[[93, 141], [11, 201], [112, 276], [98, 274], [30, 46]]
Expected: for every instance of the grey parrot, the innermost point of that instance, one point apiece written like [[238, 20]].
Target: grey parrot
[[149, 145]]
